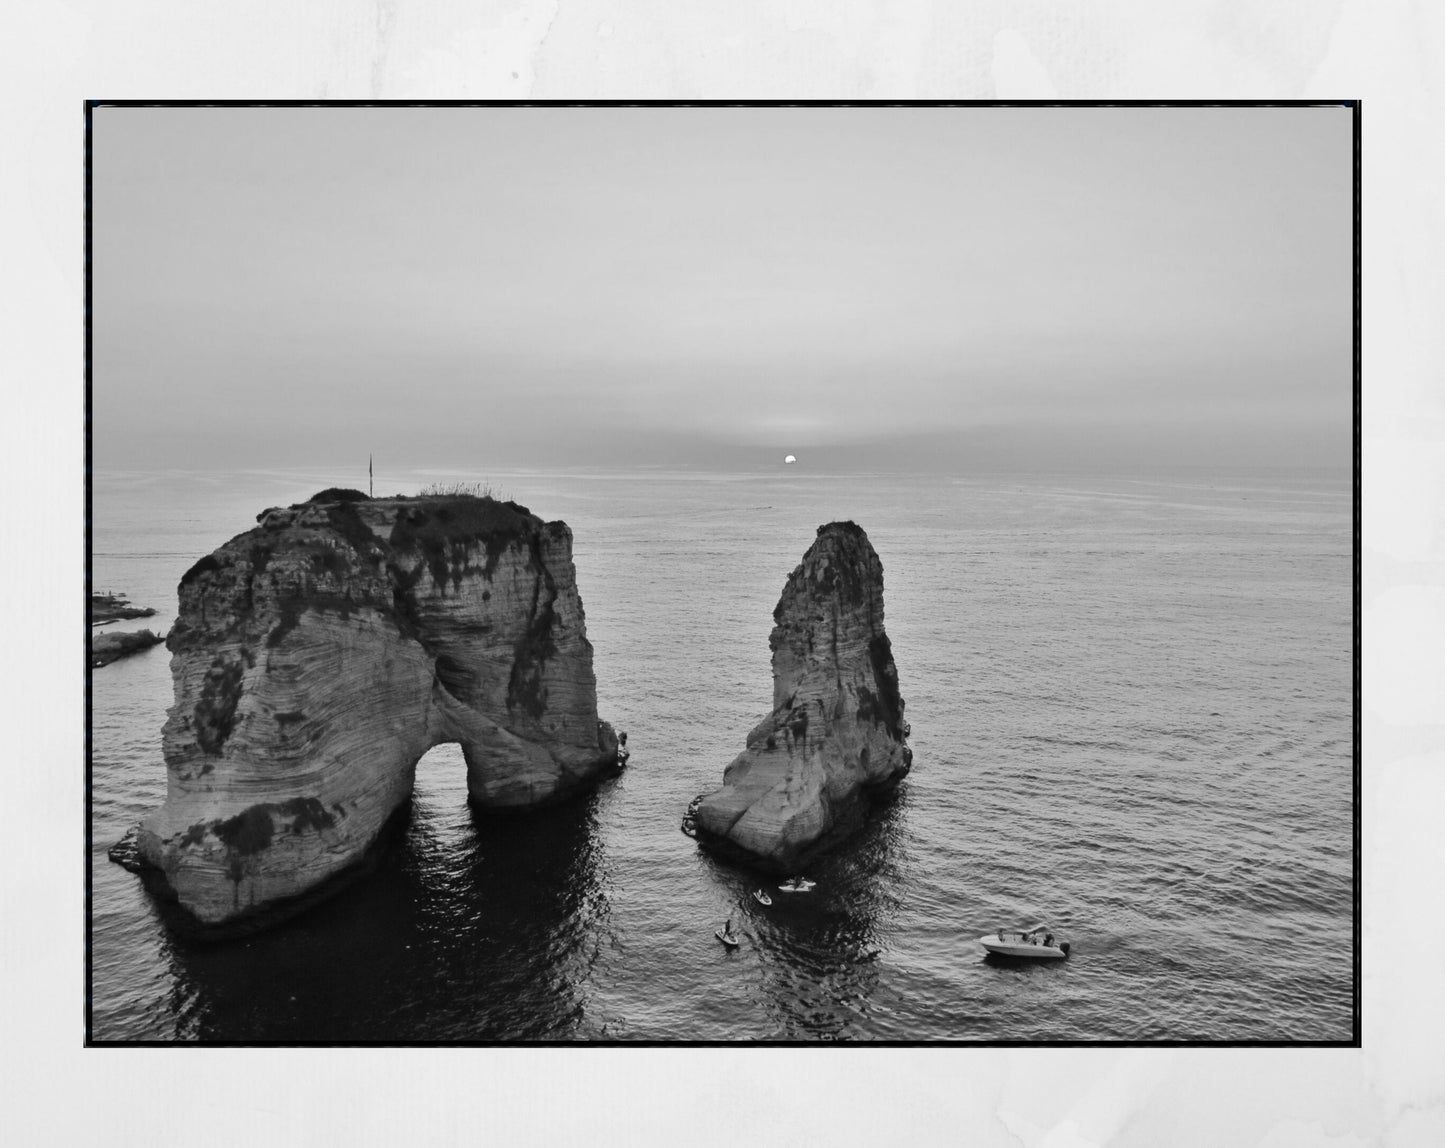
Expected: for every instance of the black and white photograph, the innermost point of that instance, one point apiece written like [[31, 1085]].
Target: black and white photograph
[[722, 574]]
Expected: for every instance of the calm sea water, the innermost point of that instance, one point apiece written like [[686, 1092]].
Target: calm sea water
[[1131, 711]]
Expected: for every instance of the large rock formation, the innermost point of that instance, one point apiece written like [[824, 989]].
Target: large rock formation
[[836, 735], [317, 657]]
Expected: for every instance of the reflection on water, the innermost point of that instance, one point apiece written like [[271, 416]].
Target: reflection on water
[[820, 952], [499, 918], [1132, 715]]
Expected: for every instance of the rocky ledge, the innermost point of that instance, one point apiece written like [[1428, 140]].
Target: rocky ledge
[[836, 737], [317, 657], [113, 607], [106, 648]]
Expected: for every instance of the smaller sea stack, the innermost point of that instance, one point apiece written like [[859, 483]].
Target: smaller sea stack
[[836, 737]]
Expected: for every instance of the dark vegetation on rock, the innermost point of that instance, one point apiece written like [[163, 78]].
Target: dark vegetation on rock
[[443, 529], [251, 830], [203, 566], [255, 918], [216, 710], [889, 704], [530, 655], [345, 520]]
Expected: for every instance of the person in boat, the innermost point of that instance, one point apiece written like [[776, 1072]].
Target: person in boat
[[1049, 940], [728, 929]]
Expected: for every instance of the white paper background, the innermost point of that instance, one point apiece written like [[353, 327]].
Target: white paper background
[[53, 56]]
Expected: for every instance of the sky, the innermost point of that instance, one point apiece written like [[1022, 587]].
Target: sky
[[866, 288]]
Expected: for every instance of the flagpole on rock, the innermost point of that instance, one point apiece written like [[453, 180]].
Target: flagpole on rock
[[370, 482]]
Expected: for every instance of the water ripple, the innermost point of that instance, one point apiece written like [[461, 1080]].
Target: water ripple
[[1131, 714]]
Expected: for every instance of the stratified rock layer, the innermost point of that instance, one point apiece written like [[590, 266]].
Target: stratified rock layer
[[836, 736], [317, 657]]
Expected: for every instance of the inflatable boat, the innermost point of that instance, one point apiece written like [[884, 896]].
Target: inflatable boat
[[1038, 943]]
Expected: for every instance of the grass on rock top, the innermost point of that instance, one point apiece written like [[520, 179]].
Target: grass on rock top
[[338, 494]]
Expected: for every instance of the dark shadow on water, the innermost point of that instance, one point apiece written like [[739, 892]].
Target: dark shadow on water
[[473, 927], [822, 952]]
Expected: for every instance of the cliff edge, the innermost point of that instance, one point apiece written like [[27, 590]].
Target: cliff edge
[[317, 657], [836, 736]]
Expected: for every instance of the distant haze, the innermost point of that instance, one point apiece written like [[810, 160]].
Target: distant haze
[[889, 288]]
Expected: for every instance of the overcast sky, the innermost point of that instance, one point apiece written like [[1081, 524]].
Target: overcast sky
[[882, 287]]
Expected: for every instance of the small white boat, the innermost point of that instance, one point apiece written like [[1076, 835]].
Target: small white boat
[[762, 897], [1038, 943], [727, 939], [796, 885]]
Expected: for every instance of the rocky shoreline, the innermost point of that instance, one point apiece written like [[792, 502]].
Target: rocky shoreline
[[109, 647], [115, 607]]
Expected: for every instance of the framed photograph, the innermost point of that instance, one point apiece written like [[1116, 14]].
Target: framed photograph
[[714, 574]]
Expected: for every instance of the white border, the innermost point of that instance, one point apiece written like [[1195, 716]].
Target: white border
[[52, 57]]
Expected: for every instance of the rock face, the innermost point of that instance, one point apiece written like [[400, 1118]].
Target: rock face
[[317, 657], [836, 735]]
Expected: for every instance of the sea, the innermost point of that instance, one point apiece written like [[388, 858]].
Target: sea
[[1132, 720]]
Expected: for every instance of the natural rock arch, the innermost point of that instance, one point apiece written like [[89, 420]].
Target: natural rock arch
[[318, 657]]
